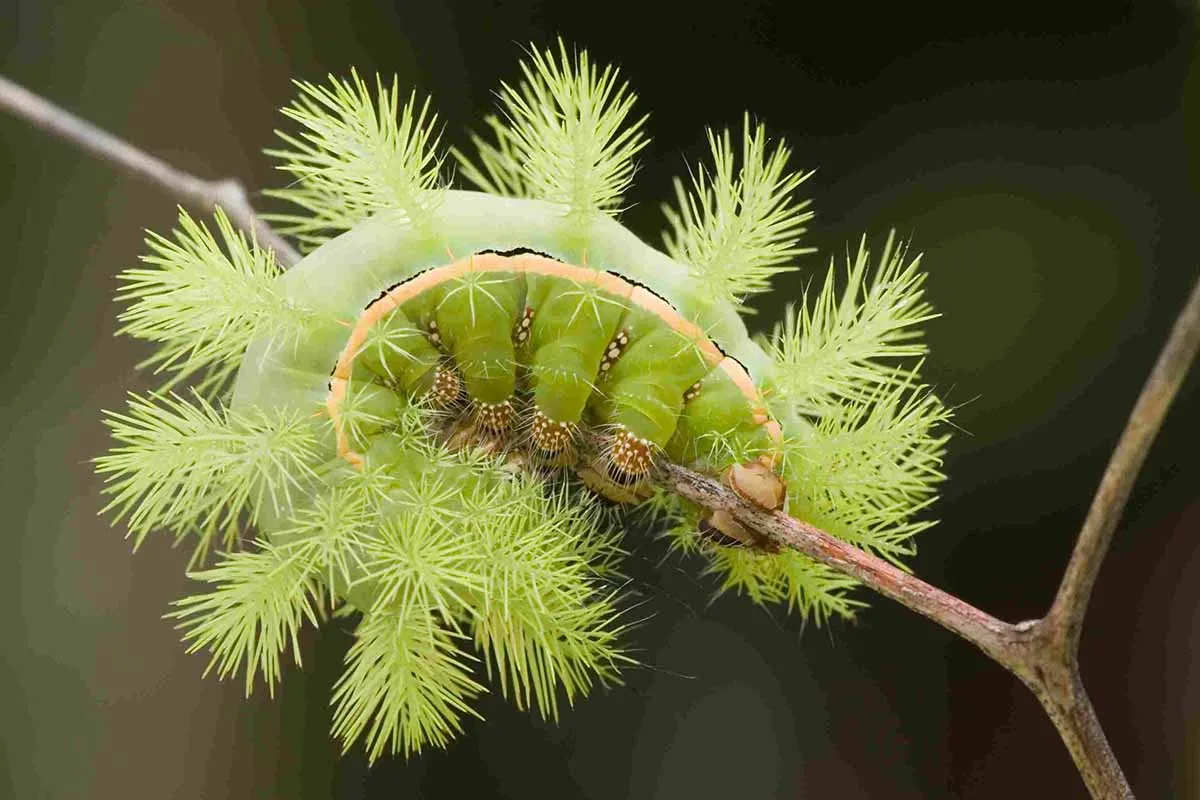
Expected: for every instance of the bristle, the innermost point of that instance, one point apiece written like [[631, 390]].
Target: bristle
[[403, 714], [850, 342], [566, 138], [254, 613], [494, 418], [202, 302], [358, 152], [735, 231], [552, 443], [193, 466], [448, 390], [629, 458]]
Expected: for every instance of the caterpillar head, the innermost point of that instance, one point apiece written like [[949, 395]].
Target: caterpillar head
[[394, 427]]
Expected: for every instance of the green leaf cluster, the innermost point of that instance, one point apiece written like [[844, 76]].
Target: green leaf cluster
[[201, 302], [193, 467], [466, 554]]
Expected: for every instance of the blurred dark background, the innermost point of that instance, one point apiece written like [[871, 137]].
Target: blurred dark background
[[1042, 155]]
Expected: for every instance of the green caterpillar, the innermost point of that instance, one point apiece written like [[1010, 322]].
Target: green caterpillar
[[580, 343], [395, 416]]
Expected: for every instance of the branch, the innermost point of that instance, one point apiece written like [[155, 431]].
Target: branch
[[1042, 653], [1065, 617], [1018, 648], [984, 631], [201, 194]]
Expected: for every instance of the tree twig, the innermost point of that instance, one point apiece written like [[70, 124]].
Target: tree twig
[[204, 195], [981, 629], [1042, 653], [1065, 617], [1018, 648]]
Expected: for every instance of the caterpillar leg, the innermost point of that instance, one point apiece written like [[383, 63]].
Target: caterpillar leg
[[757, 483], [719, 527], [594, 474], [550, 443]]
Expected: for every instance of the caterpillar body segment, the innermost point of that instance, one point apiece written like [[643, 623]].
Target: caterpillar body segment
[[474, 314], [347, 273], [395, 348], [571, 326], [713, 417], [644, 389]]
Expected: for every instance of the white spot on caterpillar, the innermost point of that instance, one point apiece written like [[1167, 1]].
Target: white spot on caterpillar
[[522, 334], [613, 351]]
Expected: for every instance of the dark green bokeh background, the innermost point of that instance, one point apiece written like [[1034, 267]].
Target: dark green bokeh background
[[1042, 155]]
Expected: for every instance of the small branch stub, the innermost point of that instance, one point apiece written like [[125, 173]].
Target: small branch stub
[[199, 193]]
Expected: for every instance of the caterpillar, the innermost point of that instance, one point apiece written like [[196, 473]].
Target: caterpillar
[[386, 429], [530, 345]]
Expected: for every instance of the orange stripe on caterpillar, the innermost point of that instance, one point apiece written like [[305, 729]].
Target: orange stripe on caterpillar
[[337, 395]]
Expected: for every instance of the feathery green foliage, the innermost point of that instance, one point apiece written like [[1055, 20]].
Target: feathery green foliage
[[541, 618], [845, 347], [202, 302], [789, 578], [191, 466], [736, 231], [261, 599], [355, 155], [419, 557], [328, 536], [566, 139], [813, 590], [464, 550]]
